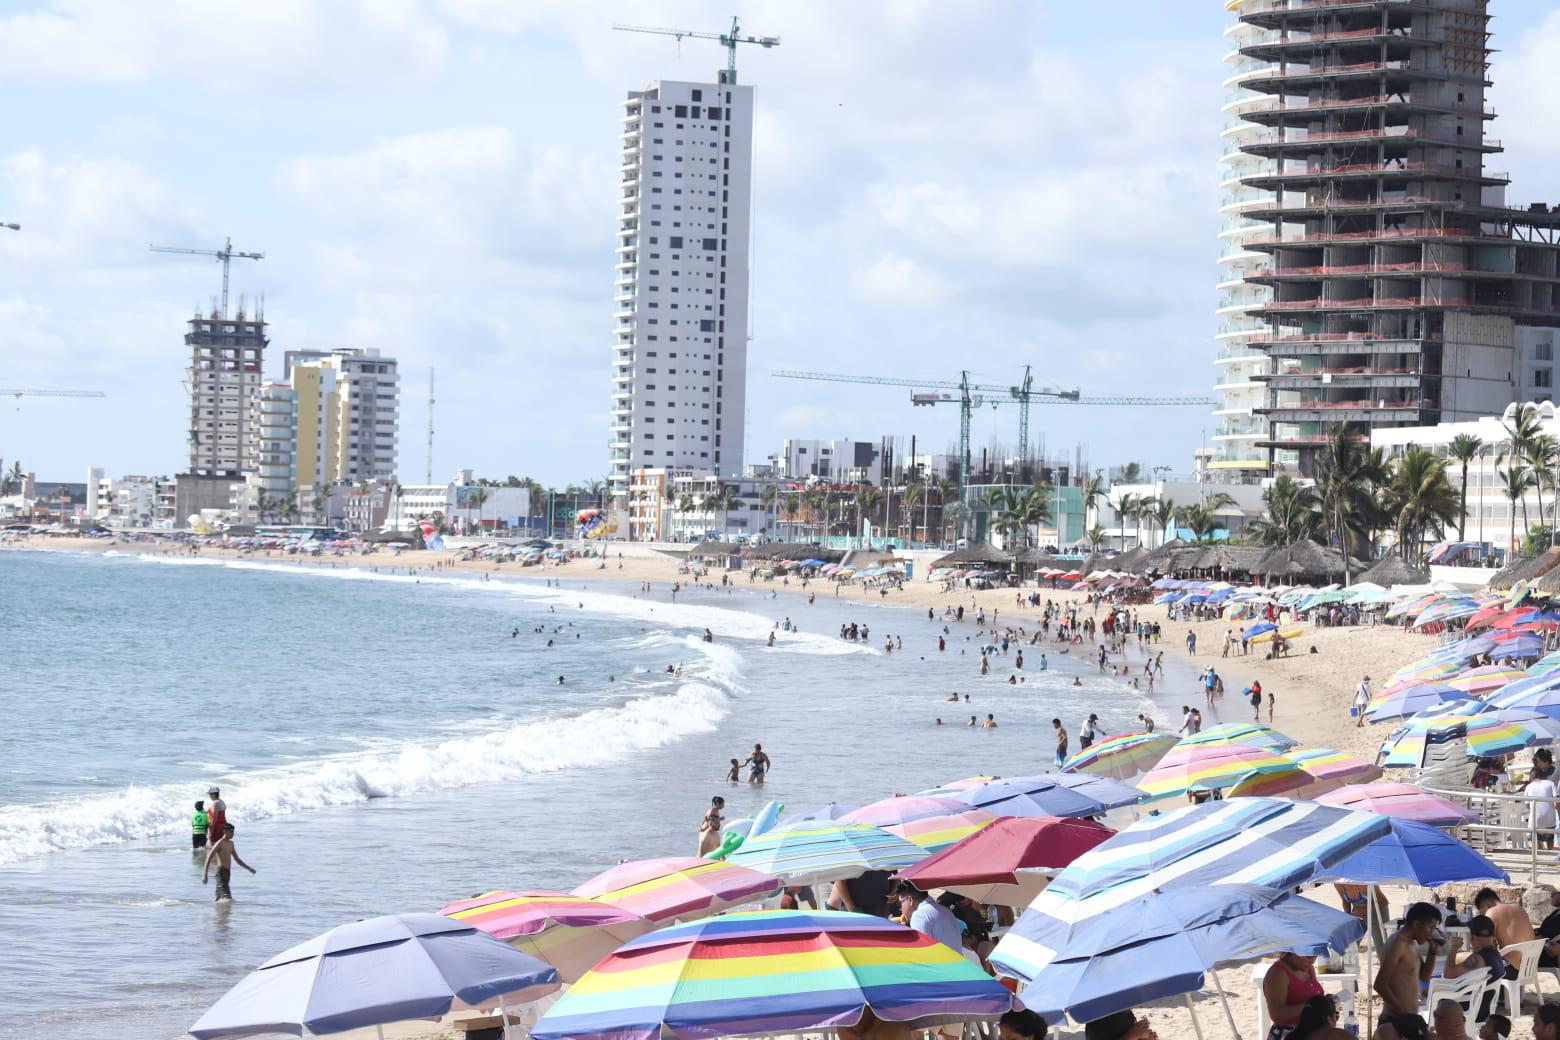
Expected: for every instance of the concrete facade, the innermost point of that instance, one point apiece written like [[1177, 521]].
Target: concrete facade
[[679, 380], [227, 356]]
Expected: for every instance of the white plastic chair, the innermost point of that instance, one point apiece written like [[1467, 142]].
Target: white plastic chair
[[1467, 989], [1511, 990]]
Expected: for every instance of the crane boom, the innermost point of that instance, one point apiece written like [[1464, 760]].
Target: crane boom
[[728, 40], [226, 254], [12, 392]]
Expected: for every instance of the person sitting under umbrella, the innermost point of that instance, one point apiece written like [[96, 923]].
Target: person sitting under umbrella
[[1319, 1021], [1021, 1025], [1286, 987], [1126, 1025]]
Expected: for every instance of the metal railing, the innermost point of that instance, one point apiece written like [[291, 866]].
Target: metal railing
[[1507, 826]]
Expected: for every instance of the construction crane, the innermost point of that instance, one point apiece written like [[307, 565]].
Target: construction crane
[[726, 40], [226, 254], [970, 397]]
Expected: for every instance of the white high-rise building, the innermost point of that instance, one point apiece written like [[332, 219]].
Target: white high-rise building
[[347, 414], [679, 381]]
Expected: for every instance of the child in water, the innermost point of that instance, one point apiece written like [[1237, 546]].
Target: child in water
[[735, 774]]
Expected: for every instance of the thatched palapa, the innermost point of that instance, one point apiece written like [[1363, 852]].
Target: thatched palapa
[[1393, 571]]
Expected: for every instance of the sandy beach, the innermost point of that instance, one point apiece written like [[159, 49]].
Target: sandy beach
[[1312, 691]]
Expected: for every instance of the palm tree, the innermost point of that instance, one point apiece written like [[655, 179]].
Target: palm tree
[[1126, 506], [769, 495], [1039, 499], [792, 506], [1423, 498], [1162, 512], [818, 502], [474, 500], [722, 501], [1541, 453], [1094, 491], [1291, 513], [1095, 535], [1465, 447], [868, 501], [1344, 492], [1199, 519], [11, 483], [914, 495], [1515, 481]]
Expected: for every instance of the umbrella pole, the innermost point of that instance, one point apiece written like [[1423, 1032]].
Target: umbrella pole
[[1370, 956], [1196, 1025], [1229, 1015], [503, 1011]]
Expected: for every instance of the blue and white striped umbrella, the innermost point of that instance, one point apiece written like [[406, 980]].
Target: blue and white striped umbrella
[[810, 852], [1540, 693], [1052, 794], [1264, 842]]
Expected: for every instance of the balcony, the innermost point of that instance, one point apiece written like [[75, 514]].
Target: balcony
[[1414, 268], [1393, 170], [1361, 410]]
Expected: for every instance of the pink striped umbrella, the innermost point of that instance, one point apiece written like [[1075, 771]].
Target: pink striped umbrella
[[569, 932], [902, 809], [680, 887], [1401, 801]]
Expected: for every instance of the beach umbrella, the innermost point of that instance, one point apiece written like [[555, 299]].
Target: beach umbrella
[[1546, 664], [1210, 767], [1400, 801], [811, 852], [935, 833], [1009, 862], [771, 972], [1121, 757], [1162, 945], [1485, 679], [375, 972], [1053, 794], [682, 887], [889, 812], [1257, 630], [1523, 645], [1331, 769], [569, 932], [1412, 700], [1249, 734], [1288, 780], [955, 786], [1507, 730], [1463, 649], [1093, 941], [1539, 693], [1415, 853]]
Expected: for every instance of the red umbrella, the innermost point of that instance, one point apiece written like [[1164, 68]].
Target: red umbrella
[[1514, 618], [1070, 576], [1010, 861], [1483, 617]]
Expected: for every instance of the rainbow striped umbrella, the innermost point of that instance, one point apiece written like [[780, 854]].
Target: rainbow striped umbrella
[[775, 971], [1121, 757], [935, 833], [1248, 734], [810, 853], [1423, 671], [1208, 767], [902, 809], [682, 887], [1490, 677], [1331, 769], [569, 932], [1502, 732]]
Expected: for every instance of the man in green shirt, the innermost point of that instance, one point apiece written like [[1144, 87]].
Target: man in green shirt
[[199, 821]]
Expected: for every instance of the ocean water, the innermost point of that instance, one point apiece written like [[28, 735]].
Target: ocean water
[[386, 743]]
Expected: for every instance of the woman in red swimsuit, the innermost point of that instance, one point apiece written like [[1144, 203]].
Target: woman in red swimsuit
[[1288, 984]]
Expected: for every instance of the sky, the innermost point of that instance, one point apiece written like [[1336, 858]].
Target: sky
[[938, 186]]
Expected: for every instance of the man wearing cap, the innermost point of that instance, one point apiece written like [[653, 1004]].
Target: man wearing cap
[[1481, 932], [1361, 700], [216, 815]]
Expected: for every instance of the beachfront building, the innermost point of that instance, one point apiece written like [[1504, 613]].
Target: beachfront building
[[1124, 528], [1491, 515], [270, 472], [227, 355], [348, 414], [842, 461], [461, 506], [1392, 285], [679, 374]]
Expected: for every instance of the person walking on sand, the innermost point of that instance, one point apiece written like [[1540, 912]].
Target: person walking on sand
[[1361, 701], [1191, 643], [759, 763], [225, 853]]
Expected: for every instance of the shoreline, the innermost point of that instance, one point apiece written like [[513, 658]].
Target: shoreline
[[1312, 691]]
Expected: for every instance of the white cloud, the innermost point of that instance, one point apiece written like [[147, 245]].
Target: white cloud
[[230, 44], [894, 279]]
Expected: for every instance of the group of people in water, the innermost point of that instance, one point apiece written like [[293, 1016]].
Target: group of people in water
[[211, 833]]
